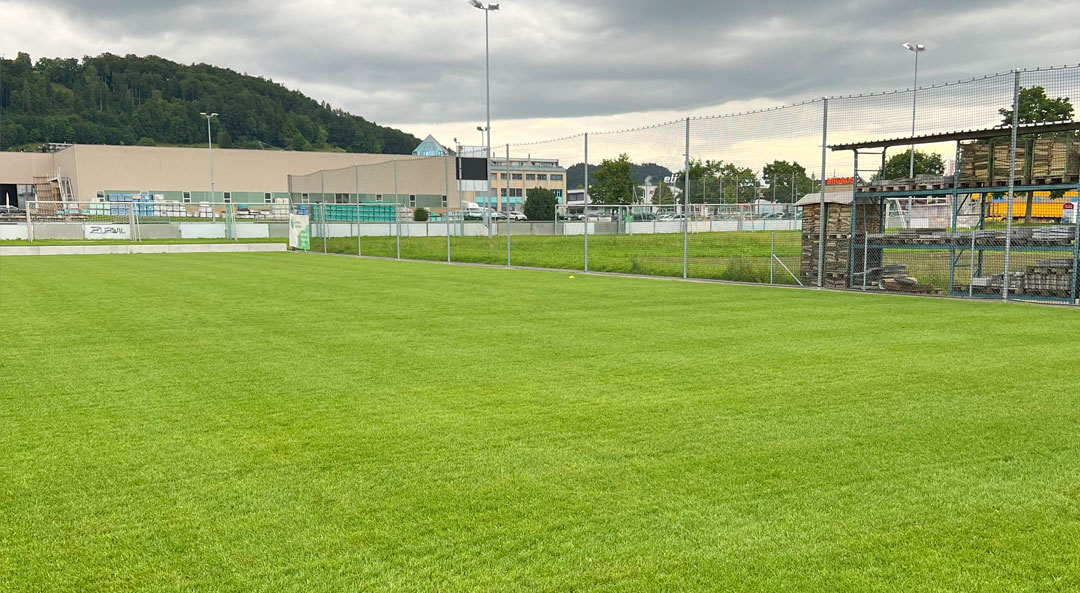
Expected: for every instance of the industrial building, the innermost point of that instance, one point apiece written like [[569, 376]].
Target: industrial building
[[430, 178], [510, 178], [89, 173]]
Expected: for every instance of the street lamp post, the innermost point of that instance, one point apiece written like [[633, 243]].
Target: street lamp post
[[210, 146], [487, 76], [915, 48]]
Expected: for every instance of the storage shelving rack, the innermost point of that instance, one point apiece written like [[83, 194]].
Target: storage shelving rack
[[961, 191]]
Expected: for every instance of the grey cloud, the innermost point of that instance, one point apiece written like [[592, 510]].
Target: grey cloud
[[422, 60]]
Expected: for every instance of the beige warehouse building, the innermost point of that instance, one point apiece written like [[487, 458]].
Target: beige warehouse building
[[88, 173]]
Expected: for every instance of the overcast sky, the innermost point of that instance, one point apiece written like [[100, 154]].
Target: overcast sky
[[558, 66]]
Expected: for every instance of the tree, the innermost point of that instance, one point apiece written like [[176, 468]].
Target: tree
[[1036, 107], [723, 183], [643, 173], [786, 181], [705, 184], [614, 183], [898, 166], [663, 194], [420, 214], [540, 204]]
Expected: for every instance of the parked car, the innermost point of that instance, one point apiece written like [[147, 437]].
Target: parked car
[[474, 214], [9, 210], [515, 215]]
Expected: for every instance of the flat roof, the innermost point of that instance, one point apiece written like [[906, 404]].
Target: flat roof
[[996, 131]]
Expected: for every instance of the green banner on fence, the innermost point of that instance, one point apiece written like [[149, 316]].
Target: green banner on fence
[[299, 232]]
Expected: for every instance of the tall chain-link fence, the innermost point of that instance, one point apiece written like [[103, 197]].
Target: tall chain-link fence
[[826, 193]]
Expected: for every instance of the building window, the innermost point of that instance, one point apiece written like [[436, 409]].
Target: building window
[[557, 192], [516, 176], [341, 198], [556, 176], [266, 198], [304, 198], [445, 202], [530, 177], [502, 175], [502, 191], [515, 192], [101, 195], [378, 197], [541, 176], [412, 201], [228, 197]]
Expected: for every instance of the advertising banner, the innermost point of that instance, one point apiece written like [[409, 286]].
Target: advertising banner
[[299, 232]]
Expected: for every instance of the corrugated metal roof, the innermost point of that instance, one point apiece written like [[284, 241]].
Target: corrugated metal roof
[[993, 132]]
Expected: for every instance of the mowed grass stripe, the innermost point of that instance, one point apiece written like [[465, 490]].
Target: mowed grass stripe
[[294, 422]]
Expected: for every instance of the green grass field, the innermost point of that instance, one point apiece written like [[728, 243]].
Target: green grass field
[[291, 422], [737, 256]]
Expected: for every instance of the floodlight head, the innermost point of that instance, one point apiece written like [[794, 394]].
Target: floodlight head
[[915, 47], [479, 128], [202, 113], [493, 7], [477, 4], [213, 115]]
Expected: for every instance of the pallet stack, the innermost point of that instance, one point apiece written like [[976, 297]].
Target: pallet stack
[[1050, 157], [838, 241], [1048, 278], [975, 161]]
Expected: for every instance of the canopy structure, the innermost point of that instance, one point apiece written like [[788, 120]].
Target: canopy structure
[[995, 132]]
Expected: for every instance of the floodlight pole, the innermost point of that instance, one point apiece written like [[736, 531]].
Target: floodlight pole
[[487, 83], [210, 146], [916, 49]]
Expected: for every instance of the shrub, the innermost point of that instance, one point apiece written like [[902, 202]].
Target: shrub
[[420, 214]]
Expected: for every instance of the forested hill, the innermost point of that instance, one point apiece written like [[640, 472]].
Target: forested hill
[[148, 100]]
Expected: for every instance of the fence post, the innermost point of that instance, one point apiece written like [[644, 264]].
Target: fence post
[[356, 185], [322, 227], [508, 203], [772, 254], [866, 254], [446, 192], [821, 207], [1073, 296], [585, 216], [397, 218], [29, 222], [686, 201], [971, 266], [1012, 180]]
